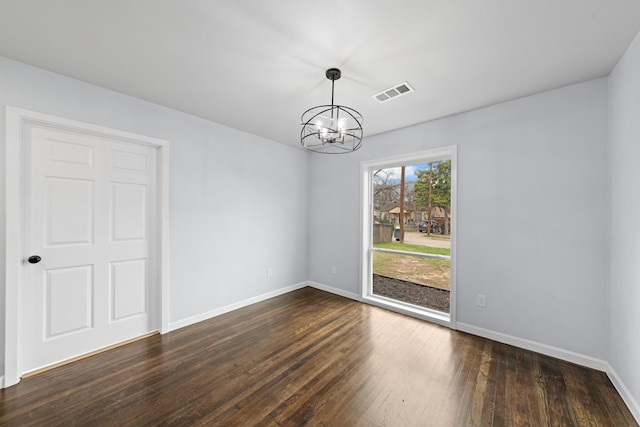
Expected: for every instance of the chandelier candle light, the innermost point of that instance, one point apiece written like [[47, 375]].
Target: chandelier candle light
[[331, 129]]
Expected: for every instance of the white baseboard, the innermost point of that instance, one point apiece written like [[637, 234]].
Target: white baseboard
[[1, 381], [227, 308], [558, 353], [333, 290], [626, 395], [548, 350]]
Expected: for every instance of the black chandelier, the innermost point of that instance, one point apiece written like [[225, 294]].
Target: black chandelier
[[331, 129]]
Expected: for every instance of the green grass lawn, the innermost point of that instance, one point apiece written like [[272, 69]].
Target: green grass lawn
[[424, 271], [413, 248]]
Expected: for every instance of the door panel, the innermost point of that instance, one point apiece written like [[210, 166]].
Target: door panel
[[124, 161], [91, 206], [70, 153], [128, 211], [127, 288], [69, 212], [69, 299]]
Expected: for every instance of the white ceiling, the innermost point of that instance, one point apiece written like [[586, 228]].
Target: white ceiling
[[256, 65]]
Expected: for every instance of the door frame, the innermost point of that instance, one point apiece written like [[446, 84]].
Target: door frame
[[366, 231], [17, 120]]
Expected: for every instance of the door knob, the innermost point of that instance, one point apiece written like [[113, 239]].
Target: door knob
[[34, 259]]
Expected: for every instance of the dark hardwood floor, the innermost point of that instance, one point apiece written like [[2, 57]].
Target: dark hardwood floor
[[309, 357]]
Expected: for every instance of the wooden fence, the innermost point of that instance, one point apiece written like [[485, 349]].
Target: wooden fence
[[382, 233]]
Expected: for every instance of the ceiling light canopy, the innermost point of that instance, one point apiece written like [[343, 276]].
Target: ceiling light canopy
[[331, 129]]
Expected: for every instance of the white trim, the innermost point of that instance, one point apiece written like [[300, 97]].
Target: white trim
[[1, 381], [548, 350], [569, 356], [624, 392], [163, 234], [231, 307], [366, 193], [13, 246], [432, 154], [453, 253], [334, 291], [558, 353], [16, 119], [366, 227], [409, 310]]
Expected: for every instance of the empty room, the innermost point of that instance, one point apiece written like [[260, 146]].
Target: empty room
[[337, 213]]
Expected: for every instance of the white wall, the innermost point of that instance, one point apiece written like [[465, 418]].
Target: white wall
[[532, 204], [624, 161], [532, 215], [238, 202]]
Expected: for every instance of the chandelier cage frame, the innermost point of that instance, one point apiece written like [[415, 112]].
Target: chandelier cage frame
[[331, 129]]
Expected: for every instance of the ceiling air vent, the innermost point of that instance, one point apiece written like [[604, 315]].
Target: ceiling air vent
[[393, 92]]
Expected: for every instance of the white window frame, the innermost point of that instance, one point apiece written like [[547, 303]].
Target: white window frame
[[366, 206]]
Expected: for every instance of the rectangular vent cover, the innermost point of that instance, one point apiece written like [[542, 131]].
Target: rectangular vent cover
[[393, 92]]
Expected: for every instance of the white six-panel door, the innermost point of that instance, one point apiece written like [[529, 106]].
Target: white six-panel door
[[91, 217]]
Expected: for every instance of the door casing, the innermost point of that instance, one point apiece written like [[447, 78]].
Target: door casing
[[18, 123]]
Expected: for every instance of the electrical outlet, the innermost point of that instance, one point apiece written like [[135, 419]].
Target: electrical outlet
[[269, 272], [482, 300], [334, 270]]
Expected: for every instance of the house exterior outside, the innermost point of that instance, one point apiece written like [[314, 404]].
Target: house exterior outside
[[413, 216]]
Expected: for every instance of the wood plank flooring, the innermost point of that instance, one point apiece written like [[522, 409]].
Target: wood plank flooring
[[313, 358]]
